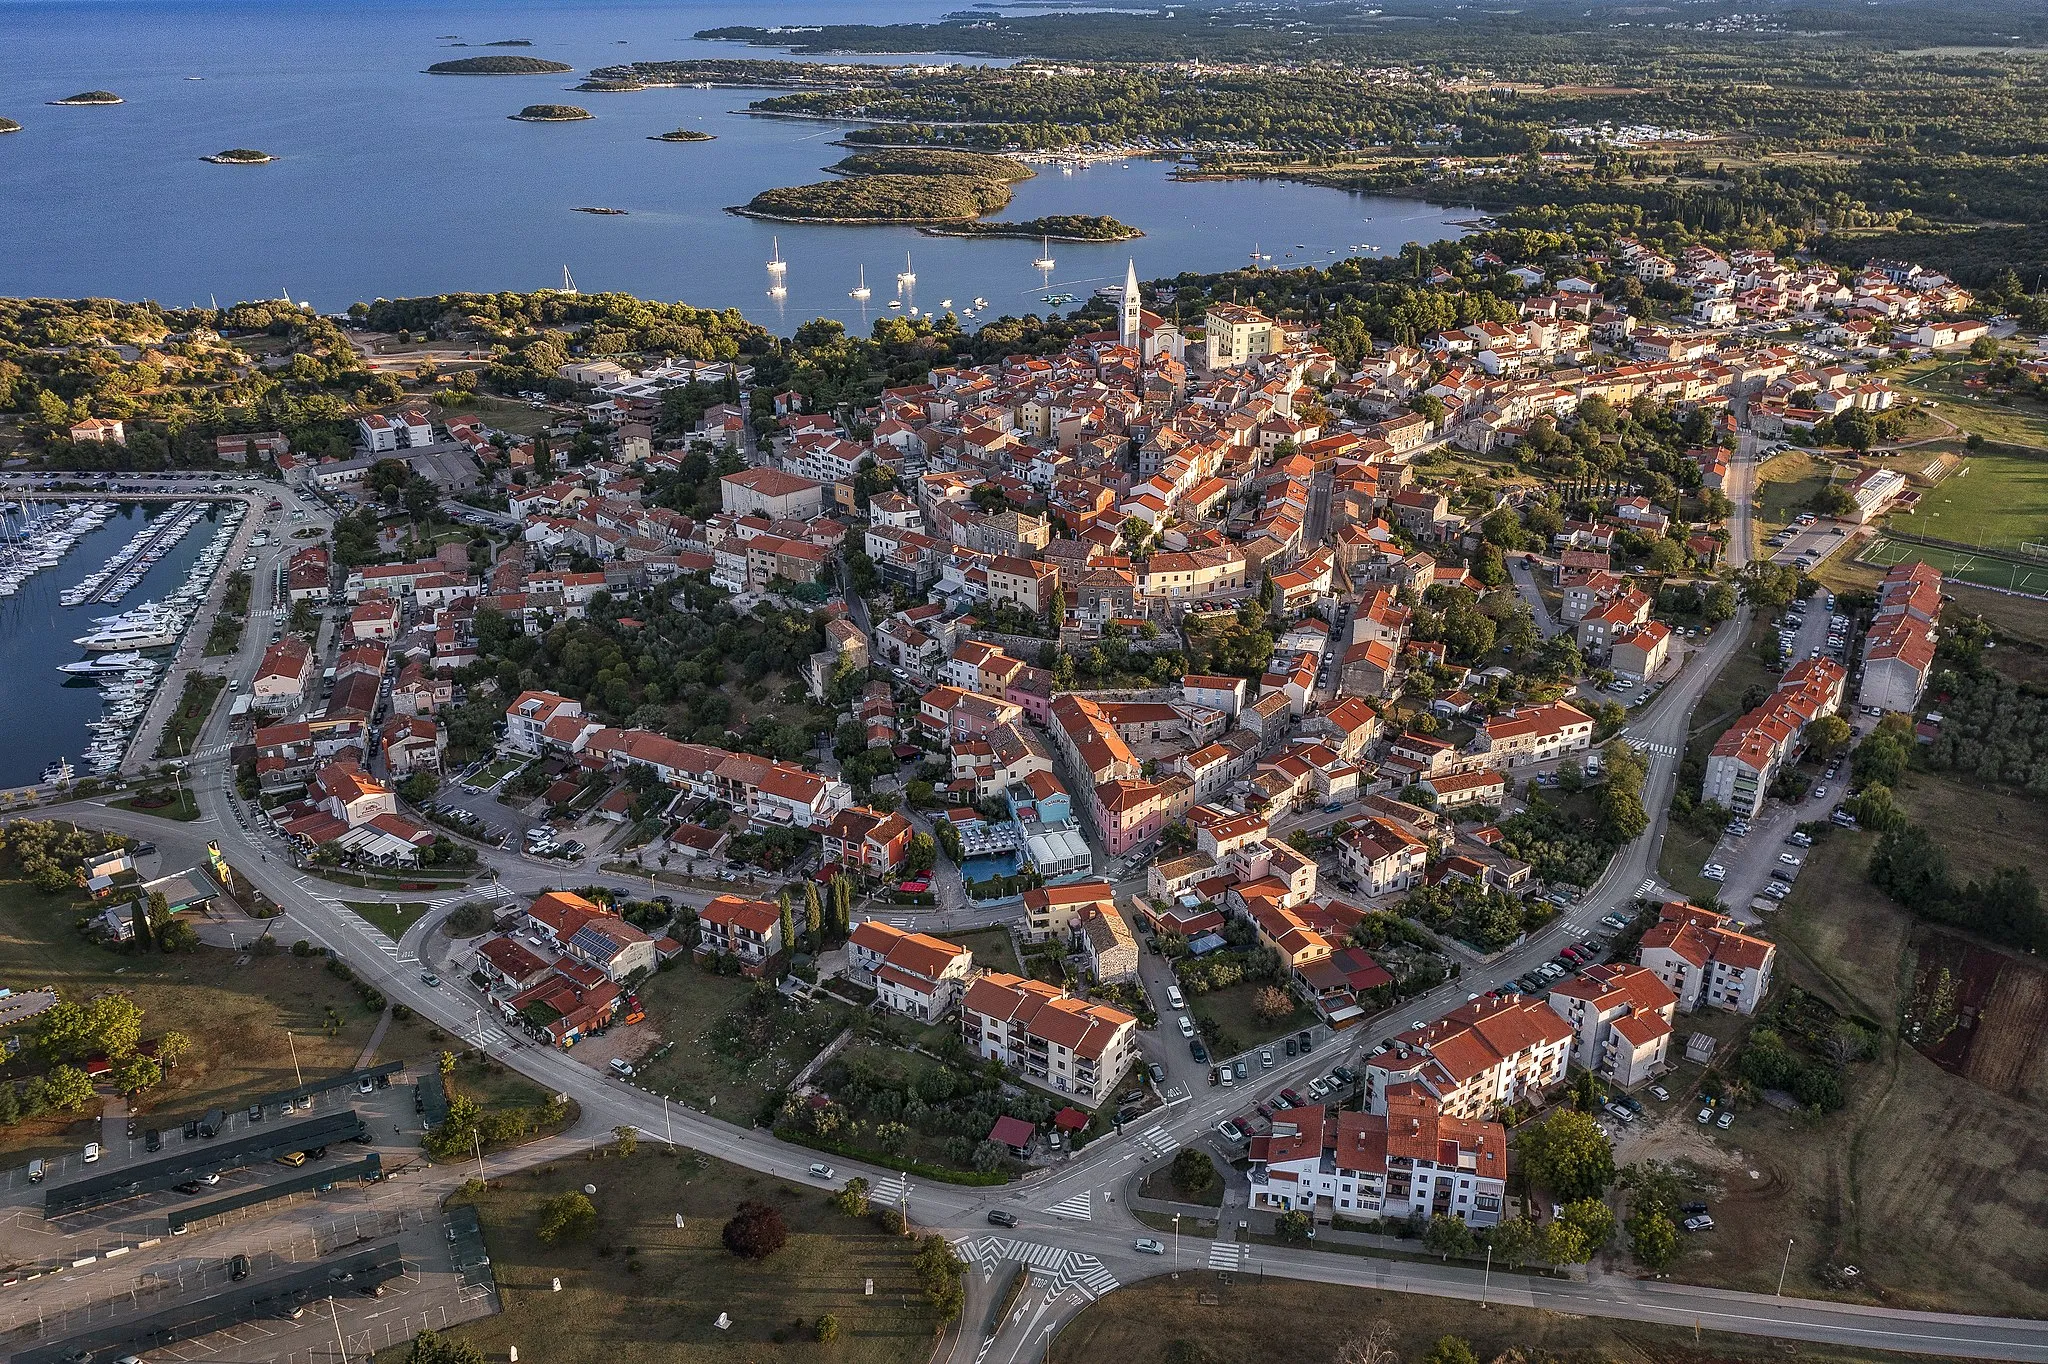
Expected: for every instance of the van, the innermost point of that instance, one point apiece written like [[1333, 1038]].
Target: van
[[294, 1159], [622, 1068], [36, 1171], [212, 1124], [1175, 998]]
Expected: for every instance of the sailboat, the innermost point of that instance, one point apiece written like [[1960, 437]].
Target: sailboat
[[861, 290], [568, 284], [906, 275], [1256, 257], [776, 264], [1044, 261]]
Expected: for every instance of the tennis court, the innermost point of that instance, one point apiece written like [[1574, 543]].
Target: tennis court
[[1988, 570]]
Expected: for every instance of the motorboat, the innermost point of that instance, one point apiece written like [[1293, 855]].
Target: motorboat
[[105, 663], [129, 637]]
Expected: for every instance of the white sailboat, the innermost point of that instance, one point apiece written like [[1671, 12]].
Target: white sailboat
[[776, 264], [861, 290], [906, 275], [1045, 260]]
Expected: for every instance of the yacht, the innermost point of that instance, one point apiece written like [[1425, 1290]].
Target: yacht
[[896, 305], [105, 663], [57, 773], [861, 290], [776, 264], [1045, 260], [117, 639], [906, 275], [945, 303]]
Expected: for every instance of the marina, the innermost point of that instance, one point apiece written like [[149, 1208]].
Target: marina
[[79, 715]]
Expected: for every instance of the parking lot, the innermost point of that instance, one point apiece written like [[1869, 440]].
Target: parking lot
[[1811, 540]]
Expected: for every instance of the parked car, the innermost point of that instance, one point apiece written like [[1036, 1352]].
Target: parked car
[[1663, 1094], [92, 1152], [1706, 1116], [1316, 1089], [1265, 1058], [1726, 1120], [1714, 871], [1692, 1209], [1293, 1097], [1198, 1051], [1230, 1130], [1156, 1071], [1700, 1223]]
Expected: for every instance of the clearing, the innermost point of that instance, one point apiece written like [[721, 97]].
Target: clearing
[[729, 1045], [1929, 1184], [1238, 1024], [640, 1289]]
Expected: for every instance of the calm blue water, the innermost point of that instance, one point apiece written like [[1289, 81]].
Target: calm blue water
[[981, 868], [392, 182], [42, 713]]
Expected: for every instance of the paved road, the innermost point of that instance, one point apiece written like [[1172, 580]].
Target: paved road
[[1525, 583], [1072, 1211]]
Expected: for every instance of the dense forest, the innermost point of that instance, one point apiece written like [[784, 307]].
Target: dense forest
[[884, 199]]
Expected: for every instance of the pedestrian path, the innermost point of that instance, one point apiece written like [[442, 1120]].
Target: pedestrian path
[[1079, 1208], [1062, 1269], [1158, 1141], [889, 1192], [1226, 1255]]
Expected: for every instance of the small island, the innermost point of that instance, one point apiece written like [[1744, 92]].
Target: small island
[[604, 212], [498, 66], [8, 125], [91, 97], [932, 161], [682, 135], [551, 113], [239, 156], [511, 42], [611, 87], [1059, 227], [911, 199]]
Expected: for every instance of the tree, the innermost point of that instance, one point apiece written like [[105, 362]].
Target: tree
[[755, 1232], [566, 1215], [1193, 1173], [1513, 1241], [1652, 1239], [1717, 603], [852, 1198], [172, 1048], [923, 854], [419, 788], [1567, 1155], [1292, 1226], [1828, 735], [788, 924], [1592, 1220], [430, 1347], [136, 1073], [1374, 1345], [827, 1329], [1448, 1236], [1272, 1003], [1450, 1350]]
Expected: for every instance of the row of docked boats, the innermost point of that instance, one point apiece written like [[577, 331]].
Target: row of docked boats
[[36, 535], [124, 569]]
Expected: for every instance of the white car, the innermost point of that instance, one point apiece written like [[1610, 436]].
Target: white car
[[1714, 871], [92, 1152], [1661, 1093], [1317, 1089]]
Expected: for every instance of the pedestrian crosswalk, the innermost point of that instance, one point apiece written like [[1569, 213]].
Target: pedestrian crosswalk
[[1059, 1269], [1079, 1208], [1226, 1255], [1158, 1141], [486, 1035], [889, 1192], [1647, 889], [1661, 750]]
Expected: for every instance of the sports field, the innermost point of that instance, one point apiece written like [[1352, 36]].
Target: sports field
[[1988, 570], [1999, 498]]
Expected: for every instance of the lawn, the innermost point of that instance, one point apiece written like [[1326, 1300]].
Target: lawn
[[730, 1045], [177, 803], [1201, 1318], [1680, 859], [1238, 1025], [497, 772], [392, 918], [991, 947], [641, 1290], [1721, 705], [504, 415], [1784, 486], [235, 1007]]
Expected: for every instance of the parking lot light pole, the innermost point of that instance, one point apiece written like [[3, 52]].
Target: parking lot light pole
[[1176, 1239], [296, 1072], [1785, 1266]]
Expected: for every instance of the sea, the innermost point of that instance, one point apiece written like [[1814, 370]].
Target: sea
[[391, 182], [43, 713]]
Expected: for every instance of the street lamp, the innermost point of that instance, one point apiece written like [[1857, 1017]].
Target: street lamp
[[1785, 1266], [1176, 1239], [1486, 1283]]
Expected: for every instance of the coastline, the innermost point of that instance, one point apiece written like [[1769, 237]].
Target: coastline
[[955, 231], [742, 211]]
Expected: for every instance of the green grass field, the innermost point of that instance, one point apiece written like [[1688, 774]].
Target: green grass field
[[1988, 570], [392, 918], [1977, 411], [1999, 499]]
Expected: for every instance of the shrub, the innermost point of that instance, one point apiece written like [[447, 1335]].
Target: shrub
[[568, 1214], [827, 1329]]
